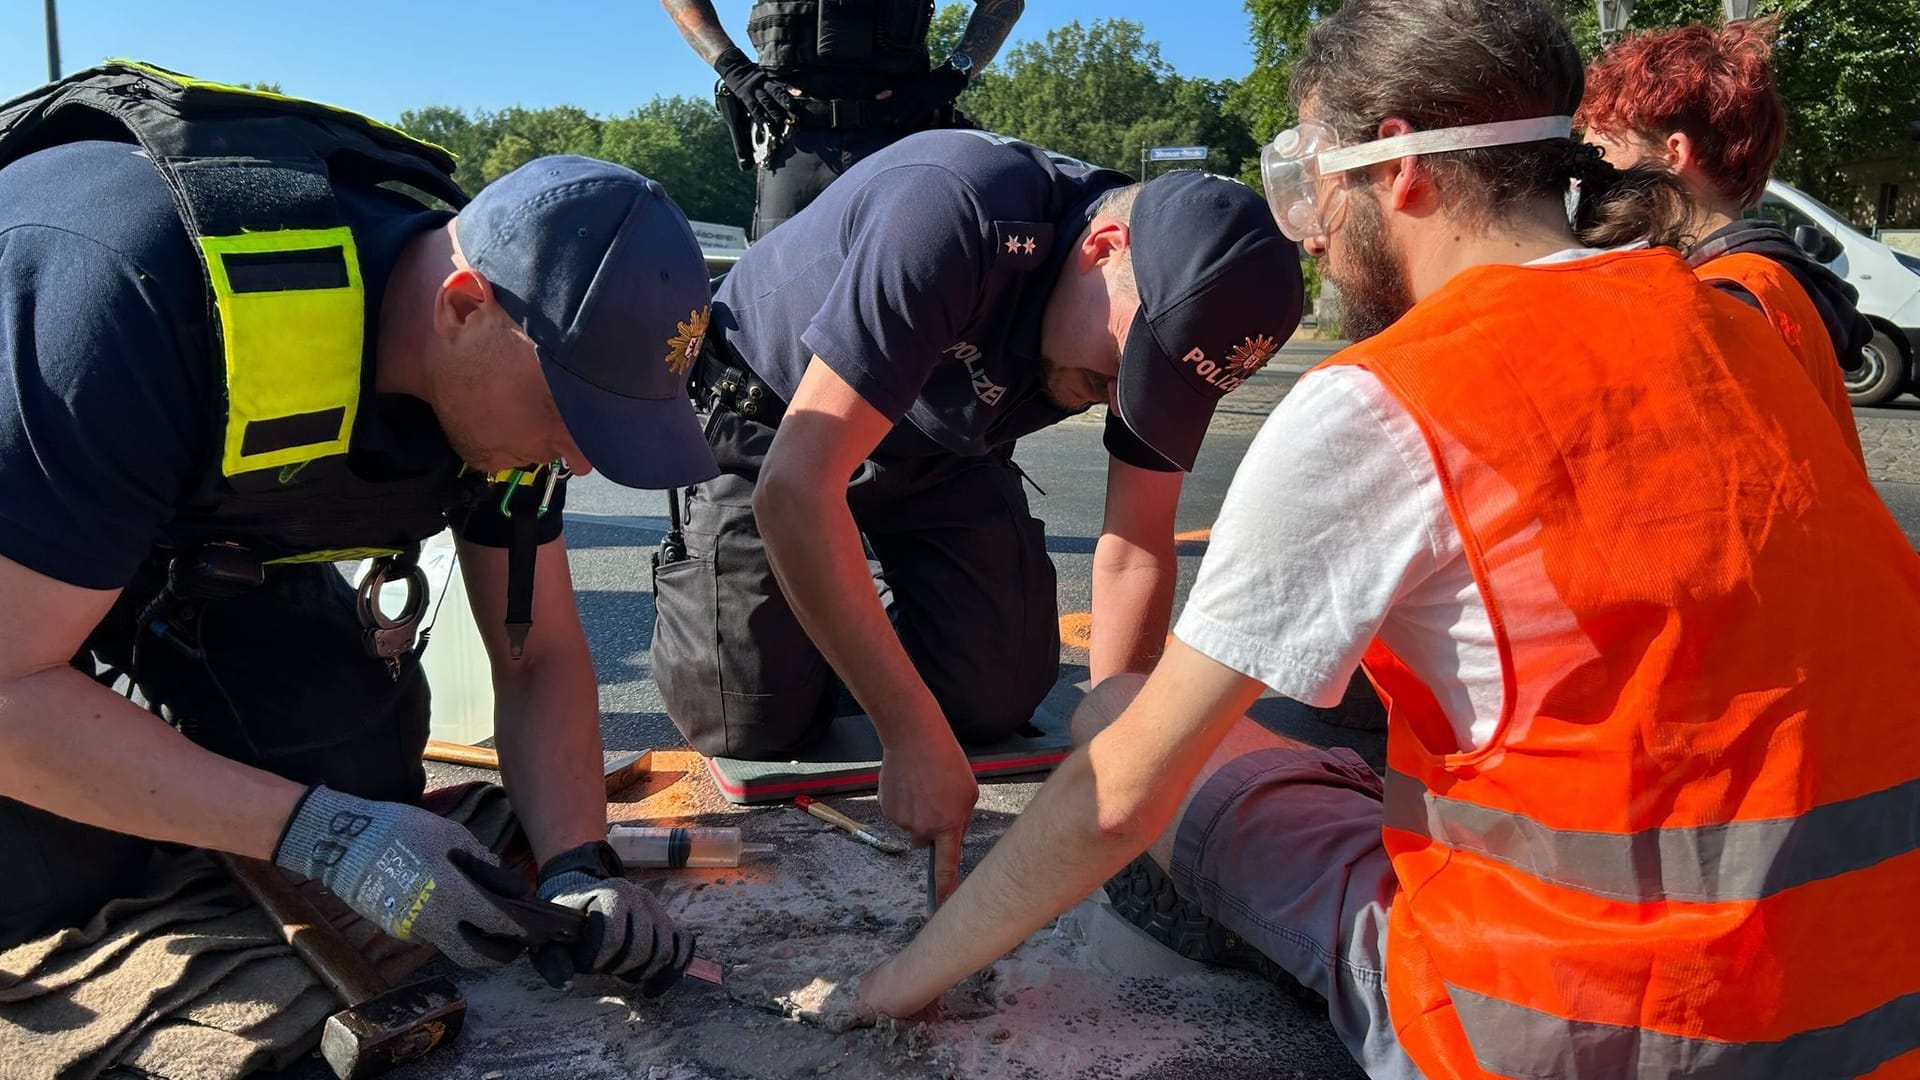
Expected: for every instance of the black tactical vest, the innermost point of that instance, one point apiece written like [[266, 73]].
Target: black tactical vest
[[252, 175], [798, 38]]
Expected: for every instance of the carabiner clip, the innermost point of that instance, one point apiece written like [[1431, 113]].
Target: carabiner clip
[[556, 471]]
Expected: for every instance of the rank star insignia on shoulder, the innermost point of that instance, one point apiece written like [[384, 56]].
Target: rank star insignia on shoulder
[[1024, 243]]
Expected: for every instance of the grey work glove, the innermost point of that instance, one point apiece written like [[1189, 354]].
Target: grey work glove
[[628, 933], [408, 870], [765, 97]]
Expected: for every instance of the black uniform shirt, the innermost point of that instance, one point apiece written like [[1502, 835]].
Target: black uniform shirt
[[920, 278], [107, 392]]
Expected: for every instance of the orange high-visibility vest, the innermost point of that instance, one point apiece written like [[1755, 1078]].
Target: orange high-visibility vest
[[1790, 309], [1690, 846]]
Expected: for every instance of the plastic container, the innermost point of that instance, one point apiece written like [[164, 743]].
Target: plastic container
[[647, 845]]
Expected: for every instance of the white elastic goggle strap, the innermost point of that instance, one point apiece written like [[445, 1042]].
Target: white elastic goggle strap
[[1440, 140]]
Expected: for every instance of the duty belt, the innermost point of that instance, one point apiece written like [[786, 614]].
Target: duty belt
[[721, 379], [848, 113]]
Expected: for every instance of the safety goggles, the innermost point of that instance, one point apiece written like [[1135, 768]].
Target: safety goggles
[[1297, 159]]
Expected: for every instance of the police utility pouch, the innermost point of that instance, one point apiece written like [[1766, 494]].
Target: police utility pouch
[[783, 33], [848, 29], [739, 124]]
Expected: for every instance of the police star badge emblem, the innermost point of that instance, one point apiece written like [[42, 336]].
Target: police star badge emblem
[[1251, 355], [684, 346]]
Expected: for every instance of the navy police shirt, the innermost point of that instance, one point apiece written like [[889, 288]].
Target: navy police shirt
[[108, 398], [920, 278]]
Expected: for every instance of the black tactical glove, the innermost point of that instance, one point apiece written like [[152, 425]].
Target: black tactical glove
[[928, 94], [629, 934], [766, 98]]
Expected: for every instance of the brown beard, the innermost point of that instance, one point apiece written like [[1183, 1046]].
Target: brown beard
[[1372, 277]]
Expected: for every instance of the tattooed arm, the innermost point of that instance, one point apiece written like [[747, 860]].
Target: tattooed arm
[[987, 29], [700, 25]]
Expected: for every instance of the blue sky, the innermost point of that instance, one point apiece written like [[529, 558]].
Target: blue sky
[[382, 57]]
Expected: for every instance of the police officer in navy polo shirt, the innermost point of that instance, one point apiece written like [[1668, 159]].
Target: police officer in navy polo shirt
[[229, 356], [869, 368]]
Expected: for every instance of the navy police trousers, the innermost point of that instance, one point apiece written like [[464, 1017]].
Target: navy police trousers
[[282, 683], [959, 561]]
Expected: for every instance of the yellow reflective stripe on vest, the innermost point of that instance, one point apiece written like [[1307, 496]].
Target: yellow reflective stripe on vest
[[334, 555], [292, 323]]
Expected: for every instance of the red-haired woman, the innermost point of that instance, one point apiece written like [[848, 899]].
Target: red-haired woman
[[1701, 101]]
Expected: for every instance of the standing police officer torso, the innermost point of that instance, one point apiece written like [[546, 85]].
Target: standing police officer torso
[[835, 81]]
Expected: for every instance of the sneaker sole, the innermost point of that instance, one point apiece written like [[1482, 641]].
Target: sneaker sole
[[1144, 895]]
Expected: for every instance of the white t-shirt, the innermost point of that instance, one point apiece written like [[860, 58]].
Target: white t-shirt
[[1334, 532]]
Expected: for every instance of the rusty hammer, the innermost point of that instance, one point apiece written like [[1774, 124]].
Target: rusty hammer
[[380, 1027], [622, 770]]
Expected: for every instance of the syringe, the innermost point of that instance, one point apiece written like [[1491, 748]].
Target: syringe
[[647, 846]]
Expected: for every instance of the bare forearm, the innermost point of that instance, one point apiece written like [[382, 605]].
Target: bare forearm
[[547, 727], [816, 555], [987, 29], [1103, 806], [75, 748], [1056, 853], [700, 25], [1132, 606]]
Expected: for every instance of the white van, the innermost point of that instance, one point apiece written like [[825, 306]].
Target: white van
[[1888, 282]]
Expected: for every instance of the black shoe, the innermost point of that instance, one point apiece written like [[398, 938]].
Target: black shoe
[[1143, 894]]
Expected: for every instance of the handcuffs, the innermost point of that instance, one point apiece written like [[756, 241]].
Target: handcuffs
[[390, 637]]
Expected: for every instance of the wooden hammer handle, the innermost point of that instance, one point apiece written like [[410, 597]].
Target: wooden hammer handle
[[478, 757], [347, 973]]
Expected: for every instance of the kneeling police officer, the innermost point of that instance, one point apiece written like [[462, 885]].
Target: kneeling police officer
[[232, 353], [869, 368]]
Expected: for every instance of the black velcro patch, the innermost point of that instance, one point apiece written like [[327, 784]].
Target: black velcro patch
[[286, 432], [286, 271]]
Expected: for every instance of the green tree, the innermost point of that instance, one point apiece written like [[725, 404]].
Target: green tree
[[943, 34], [678, 141], [512, 151], [468, 140], [682, 143], [1278, 32], [1099, 93]]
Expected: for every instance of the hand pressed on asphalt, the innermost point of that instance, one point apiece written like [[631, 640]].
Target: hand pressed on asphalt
[[927, 789]]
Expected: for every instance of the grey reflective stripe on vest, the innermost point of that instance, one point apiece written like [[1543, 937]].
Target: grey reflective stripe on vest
[[1511, 1040], [1740, 860]]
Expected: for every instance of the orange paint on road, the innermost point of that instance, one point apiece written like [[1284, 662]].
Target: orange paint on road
[[1199, 535], [1076, 630]]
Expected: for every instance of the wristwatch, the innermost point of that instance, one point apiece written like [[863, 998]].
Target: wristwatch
[[596, 859], [961, 63]]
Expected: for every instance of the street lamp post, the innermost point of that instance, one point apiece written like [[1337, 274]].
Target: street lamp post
[[1613, 18], [1738, 10], [53, 43]]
